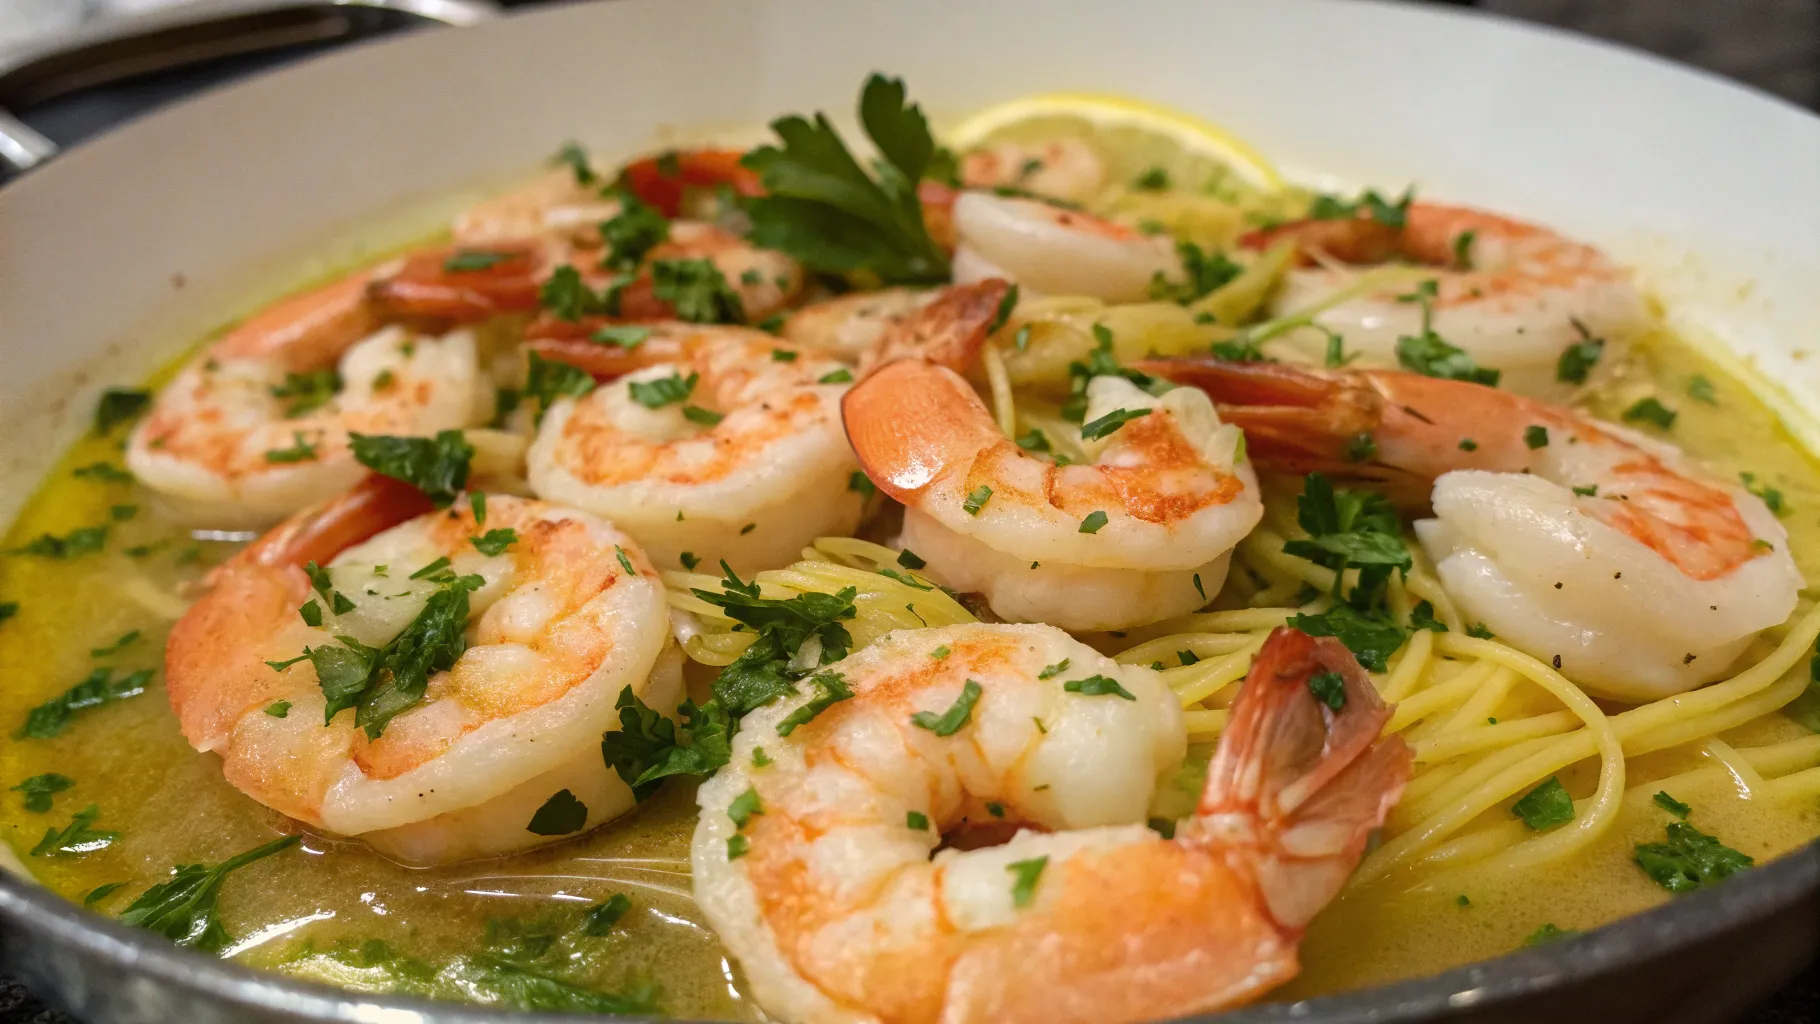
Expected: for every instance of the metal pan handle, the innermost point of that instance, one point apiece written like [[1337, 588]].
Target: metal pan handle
[[115, 49]]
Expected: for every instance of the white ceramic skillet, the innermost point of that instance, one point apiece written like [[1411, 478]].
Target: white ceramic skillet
[[120, 253]]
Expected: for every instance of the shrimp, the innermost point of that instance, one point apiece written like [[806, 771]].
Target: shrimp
[[1056, 251], [1611, 555], [257, 426], [850, 326], [1067, 169], [1511, 295], [741, 459], [1143, 532], [816, 869], [556, 204], [557, 625]]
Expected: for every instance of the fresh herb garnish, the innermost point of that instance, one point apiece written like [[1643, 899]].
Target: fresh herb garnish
[[697, 291], [626, 336], [1104, 425], [976, 499], [300, 450], [768, 668], [1671, 805], [1577, 360], [1025, 874], [1690, 859], [824, 210], [631, 233], [1535, 436], [1098, 686], [1701, 390], [468, 261], [1391, 214], [916, 820], [79, 836], [307, 391], [1651, 411], [1545, 806], [495, 541], [958, 714], [1051, 671], [648, 748], [436, 466], [601, 917], [547, 380], [82, 541], [183, 909], [39, 789], [1092, 522], [1204, 272], [1372, 636], [655, 394], [106, 472], [1329, 688], [120, 405], [830, 689], [379, 683], [1430, 354], [575, 157], [278, 708], [561, 815], [50, 718], [1772, 498], [745, 807]]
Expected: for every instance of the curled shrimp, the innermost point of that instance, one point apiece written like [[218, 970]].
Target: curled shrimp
[[256, 427], [1067, 169], [1511, 295], [1056, 251], [1142, 532], [748, 466], [1585, 544], [556, 627], [821, 873], [850, 326]]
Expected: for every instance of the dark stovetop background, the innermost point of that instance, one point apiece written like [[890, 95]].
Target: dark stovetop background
[[1771, 44]]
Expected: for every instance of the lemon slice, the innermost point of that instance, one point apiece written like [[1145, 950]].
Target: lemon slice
[[1134, 137]]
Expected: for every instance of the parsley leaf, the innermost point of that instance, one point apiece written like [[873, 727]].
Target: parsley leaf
[[1545, 806], [1329, 688], [830, 689], [823, 209], [494, 541], [626, 336], [976, 499], [436, 466], [1651, 411], [82, 541], [546, 380], [575, 156], [1772, 498], [1112, 421], [745, 807], [308, 391], [561, 815], [958, 714], [50, 718], [1025, 874], [120, 405], [183, 909], [1422, 616], [656, 394], [77, 837], [1671, 805], [1701, 390], [1690, 859], [1098, 686], [1577, 360], [106, 472], [299, 451], [1430, 355], [1093, 522], [631, 233], [1204, 273], [39, 789], [600, 918], [697, 291], [1372, 636], [1384, 211], [382, 682]]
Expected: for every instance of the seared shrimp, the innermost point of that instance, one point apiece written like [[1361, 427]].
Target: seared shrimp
[[1143, 532], [556, 624], [1055, 251], [817, 872], [1609, 554], [1066, 169], [850, 326], [1511, 295], [741, 458], [257, 426]]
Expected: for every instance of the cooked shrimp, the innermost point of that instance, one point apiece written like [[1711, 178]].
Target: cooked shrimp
[[1066, 169], [743, 461], [825, 889], [555, 204], [850, 326], [1143, 532], [1511, 295], [1609, 554], [257, 426], [1055, 251], [557, 626]]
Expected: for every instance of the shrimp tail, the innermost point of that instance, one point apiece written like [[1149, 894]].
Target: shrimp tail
[[605, 362], [320, 533], [1300, 422], [1297, 786], [502, 277], [949, 331], [909, 424]]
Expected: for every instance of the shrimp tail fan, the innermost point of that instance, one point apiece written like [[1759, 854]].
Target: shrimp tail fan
[[1303, 762]]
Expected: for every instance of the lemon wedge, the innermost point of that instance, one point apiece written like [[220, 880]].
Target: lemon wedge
[[1135, 137]]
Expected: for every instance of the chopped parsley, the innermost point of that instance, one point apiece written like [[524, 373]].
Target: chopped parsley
[[436, 466], [1329, 688], [1391, 214], [39, 789], [631, 233], [1651, 411], [1478, 631], [976, 499], [1689, 860], [547, 380], [1025, 874], [822, 208], [916, 820], [561, 815], [830, 689], [738, 846], [468, 261], [767, 669], [1156, 179], [840, 376], [910, 559], [1098, 686], [1772, 498], [1422, 616], [689, 560], [1577, 360], [1372, 636], [1701, 390], [183, 909], [495, 541], [307, 391], [601, 917], [697, 291], [1462, 249], [1535, 436], [656, 394], [1112, 421], [575, 157], [745, 807], [958, 714], [568, 298], [278, 708], [1033, 440], [50, 718], [1093, 522], [626, 336], [106, 472], [1002, 312], [1429, 354], [1545, 806], [1203, 272], [79, 836], [126, 639], [120, 405], [859, 483], [300, 450], [1671, 805], [648, 748], [1051, 671]]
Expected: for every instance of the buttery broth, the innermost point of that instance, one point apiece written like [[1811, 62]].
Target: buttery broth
[[334, 911]]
